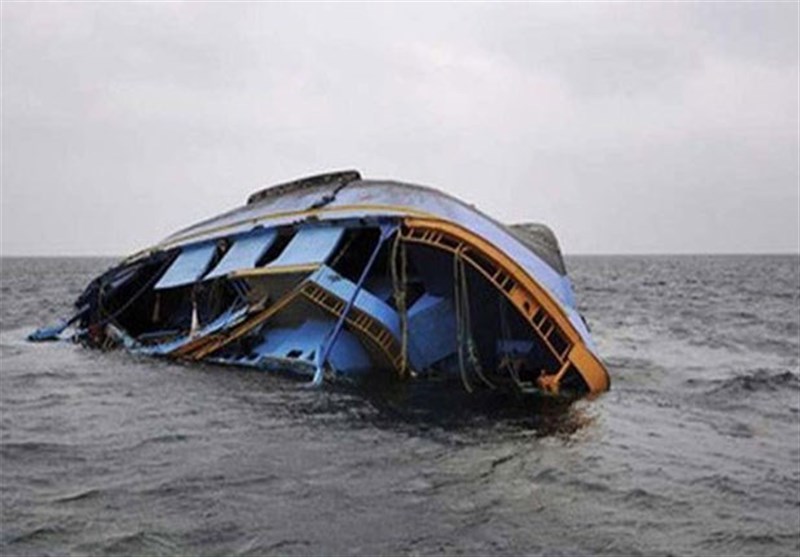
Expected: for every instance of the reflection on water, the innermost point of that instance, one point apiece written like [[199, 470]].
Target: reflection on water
[[447, 406]]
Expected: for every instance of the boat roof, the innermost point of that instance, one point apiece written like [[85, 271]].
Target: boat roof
[[334, 189], [346, 195]]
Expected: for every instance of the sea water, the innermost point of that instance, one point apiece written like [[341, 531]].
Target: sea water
[[694, 451]]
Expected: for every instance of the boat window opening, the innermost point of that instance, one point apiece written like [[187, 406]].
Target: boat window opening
[[285, 236], [116, 305], [309, 248], [344, 246], [220, 250], [215, 299], [160, 314], [357, 246], [175, 310], [433, 267]]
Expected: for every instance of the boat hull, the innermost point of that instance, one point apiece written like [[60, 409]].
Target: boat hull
[[343, 276]]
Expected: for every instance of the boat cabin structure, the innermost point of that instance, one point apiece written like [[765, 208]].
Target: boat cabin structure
[[339, 276]]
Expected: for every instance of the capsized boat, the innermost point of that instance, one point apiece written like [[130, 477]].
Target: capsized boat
[[339, 276]]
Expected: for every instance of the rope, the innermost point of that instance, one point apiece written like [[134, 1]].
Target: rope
[[156, 308], [464, 321], [400, 292], [505, 336], [473, 348], [457, 299]]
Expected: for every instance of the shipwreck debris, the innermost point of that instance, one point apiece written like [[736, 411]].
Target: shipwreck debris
[[335, 275]]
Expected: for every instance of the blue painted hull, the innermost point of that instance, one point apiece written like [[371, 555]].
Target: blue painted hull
[[343, 276]]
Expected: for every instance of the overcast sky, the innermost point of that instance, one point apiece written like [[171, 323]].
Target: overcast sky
[[628, 128]]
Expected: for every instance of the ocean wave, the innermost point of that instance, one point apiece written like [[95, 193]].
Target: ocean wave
[[34, 449], [758, 380]]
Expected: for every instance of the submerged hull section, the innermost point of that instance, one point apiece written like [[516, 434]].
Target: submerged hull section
[[336, 275]]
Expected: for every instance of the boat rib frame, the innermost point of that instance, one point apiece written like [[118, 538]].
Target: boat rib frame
[[530, 299]]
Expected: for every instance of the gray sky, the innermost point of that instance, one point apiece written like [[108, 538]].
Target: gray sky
[[629, 128]]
